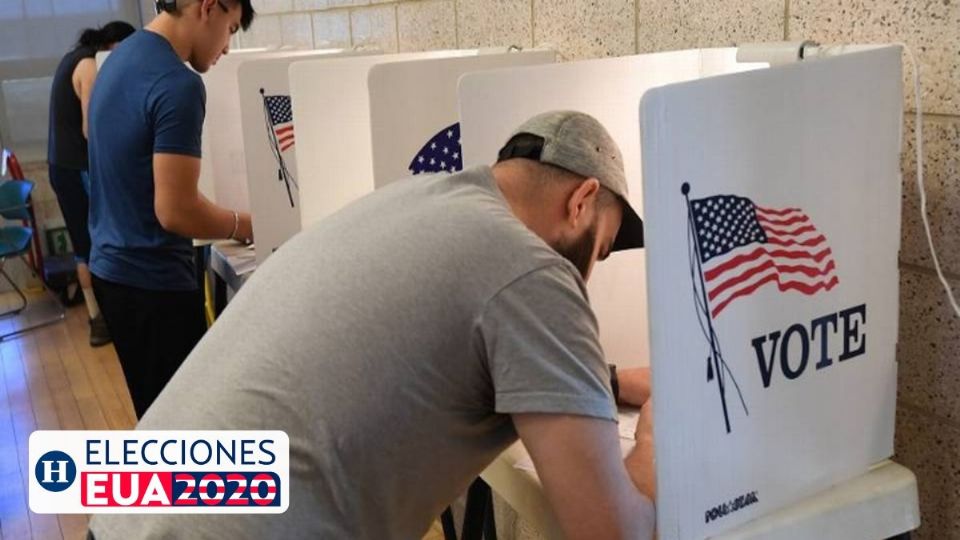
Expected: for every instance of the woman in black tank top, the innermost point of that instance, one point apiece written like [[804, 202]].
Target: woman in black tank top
[[67, 150]]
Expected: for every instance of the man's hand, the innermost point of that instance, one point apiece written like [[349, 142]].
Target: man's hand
[[244, 228], [640, 462], [634, 386]]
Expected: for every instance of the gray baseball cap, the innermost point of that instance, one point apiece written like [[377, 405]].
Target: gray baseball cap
[[580, 144]]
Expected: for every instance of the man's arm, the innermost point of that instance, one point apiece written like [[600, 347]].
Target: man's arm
[[83, 77], [634, 386], [640, 463], [182, 209], [587, 482]]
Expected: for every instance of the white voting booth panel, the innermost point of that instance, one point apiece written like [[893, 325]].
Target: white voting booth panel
[[223, 140], [101, 58], [270, 146], [610, 90], [207, 185], [331, 101], [415, 112], [772, 205], [346, 113]]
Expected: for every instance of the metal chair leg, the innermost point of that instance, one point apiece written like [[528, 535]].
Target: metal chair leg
[[59, 316], [23, 298], [489, 522]]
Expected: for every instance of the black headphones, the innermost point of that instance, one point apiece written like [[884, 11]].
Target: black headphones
[[169, 6]]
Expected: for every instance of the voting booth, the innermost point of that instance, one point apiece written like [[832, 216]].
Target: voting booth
[[222, 167], [371, 120], [268, 129], [224, 139], [766, 298]]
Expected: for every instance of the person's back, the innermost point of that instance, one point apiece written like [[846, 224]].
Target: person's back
[[67, 153], [391, 342], [134, 91], [67, 146]]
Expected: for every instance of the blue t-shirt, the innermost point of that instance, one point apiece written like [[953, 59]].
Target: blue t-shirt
[[146, 101]]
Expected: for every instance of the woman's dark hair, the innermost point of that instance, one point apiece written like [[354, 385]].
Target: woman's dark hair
[[102, 38]]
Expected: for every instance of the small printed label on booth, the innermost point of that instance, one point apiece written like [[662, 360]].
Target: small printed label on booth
[[731, 506], [191, 472]]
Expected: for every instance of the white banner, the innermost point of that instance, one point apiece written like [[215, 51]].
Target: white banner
[[139, 472]]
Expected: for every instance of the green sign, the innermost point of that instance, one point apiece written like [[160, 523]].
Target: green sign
[[58, 241]]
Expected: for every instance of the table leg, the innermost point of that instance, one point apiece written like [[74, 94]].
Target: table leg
[[478, 519], [449, 529]]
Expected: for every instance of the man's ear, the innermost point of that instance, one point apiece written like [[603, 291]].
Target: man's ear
[[581, 199], [205, 7]]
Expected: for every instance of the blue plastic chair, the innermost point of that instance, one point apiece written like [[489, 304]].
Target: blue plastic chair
[[15, 241]]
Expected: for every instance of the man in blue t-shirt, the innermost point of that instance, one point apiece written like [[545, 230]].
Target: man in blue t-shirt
[[146, 119]]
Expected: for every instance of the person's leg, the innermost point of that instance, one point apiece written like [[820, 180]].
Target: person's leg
[[71, 189], [99, 334], [125, 313], [177, 324], [86, 284], [153, 332]]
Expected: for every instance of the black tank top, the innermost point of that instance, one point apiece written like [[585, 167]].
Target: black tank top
[[67, 147]]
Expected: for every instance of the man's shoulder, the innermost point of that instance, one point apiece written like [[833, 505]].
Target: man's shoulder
[[149, 58], [177, 87], [180, 76]]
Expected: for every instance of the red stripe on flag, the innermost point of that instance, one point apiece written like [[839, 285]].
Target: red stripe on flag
[[809, 271], [783, 222], [282, 131], [777, 212], [716, 271], [798, 231], [803, 288], [811, 242]]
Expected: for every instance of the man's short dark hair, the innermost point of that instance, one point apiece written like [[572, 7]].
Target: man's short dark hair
[[246, 13]]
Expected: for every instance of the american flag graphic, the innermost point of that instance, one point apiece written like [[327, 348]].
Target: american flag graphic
[[744, 247], [278, 115], [281, 120], [442, 153]]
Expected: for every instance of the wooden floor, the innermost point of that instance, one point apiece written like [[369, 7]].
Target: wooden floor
[[51, 379]]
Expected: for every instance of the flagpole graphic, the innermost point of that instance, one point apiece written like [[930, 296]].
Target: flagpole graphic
[[716, 356], [278, 115]]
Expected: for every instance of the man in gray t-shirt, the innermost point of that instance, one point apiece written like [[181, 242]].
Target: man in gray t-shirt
[[405, 341]]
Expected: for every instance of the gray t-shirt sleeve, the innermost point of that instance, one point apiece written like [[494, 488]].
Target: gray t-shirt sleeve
[[542, 348]]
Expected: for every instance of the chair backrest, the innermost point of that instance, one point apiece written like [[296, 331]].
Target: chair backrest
[[14, 240], [14, 196]]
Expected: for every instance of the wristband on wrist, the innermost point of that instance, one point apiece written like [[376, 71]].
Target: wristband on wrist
[[614, 383], [236, 225]]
